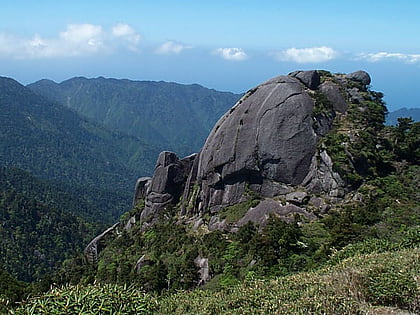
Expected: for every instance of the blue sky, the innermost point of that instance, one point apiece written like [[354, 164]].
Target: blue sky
[[226, 45]]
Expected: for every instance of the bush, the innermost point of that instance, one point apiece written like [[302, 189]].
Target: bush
[[389, 287]]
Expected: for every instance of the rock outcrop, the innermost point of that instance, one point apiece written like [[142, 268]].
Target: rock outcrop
[[95, 246], [166, 186], [360, 76], [267, 143]]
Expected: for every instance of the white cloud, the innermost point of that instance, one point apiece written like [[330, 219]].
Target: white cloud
[[236, 54], [127, 34], [374, 57], [75, 40], [171, 47], [307, 55]]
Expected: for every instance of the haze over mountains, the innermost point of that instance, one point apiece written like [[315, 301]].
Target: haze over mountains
[[392, 117]]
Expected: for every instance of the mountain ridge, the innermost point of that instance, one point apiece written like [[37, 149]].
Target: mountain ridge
[[177, 116]]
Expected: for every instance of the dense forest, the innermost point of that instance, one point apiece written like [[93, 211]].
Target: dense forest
[[178, 117], [54, 143]]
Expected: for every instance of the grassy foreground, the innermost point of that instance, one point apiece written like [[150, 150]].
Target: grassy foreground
[[363, 284]]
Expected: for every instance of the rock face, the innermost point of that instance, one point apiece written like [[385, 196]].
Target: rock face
[[267, 143], [95, 246], [166, 186], [360, 76], [266, 137], [310, 79]]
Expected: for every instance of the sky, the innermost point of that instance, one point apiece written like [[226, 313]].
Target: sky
[[225, 45]]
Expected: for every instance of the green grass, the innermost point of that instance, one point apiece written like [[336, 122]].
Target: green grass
[[357, 285], [92, 299], [352, 287]]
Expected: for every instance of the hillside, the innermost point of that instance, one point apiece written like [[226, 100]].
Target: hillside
[[37, 235], [61, 196], [176, 117], [375, 283], [55, 143], [413, 113]]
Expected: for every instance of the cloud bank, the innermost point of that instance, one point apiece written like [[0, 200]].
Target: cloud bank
[[170, 48], [75, 40], [375, 57], [307, 55], [235, 54]]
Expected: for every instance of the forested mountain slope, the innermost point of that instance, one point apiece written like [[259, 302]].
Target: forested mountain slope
[[175, 116], [37, 236], [55, 143]]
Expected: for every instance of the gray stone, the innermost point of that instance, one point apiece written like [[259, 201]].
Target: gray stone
[[199, 222], [355, 96], [323, 123], [360, 76], [310, 78], [130, 223], [297, 197], [267, 135], [203, 264], [140, 191], [260, 214], [321, 178], [334, 95], [95, 246], [167, 184], [266, 143], [216, 224]]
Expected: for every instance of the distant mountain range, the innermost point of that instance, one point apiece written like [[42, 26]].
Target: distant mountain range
[[392, 117], [175, 116]]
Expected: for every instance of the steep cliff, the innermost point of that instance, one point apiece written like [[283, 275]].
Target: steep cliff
[[275, 142]]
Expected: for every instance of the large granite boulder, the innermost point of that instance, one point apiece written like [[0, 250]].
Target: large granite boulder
[[360, 76], [140, 191], [266, 137], [334, 95], [268, 146], [310, 79]]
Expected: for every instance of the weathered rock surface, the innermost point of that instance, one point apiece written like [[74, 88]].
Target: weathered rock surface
[[142, 185], [310, 79], [167, 184], [93, 249], [260, 214], [203, 265], [360, 76], [268, 135], [266, 143], [334, 95]]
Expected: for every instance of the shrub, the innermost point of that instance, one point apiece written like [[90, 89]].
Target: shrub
[[92, 299]]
